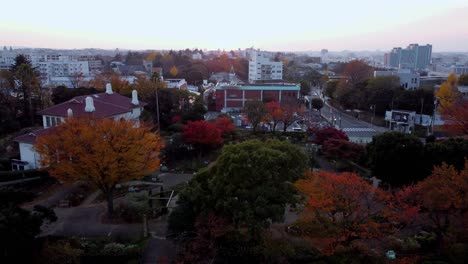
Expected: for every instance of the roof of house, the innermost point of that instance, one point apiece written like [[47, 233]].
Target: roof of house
[[33, 135], [274, 87], [105, 105]]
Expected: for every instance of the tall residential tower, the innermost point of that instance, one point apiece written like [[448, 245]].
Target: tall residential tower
[[414, 57]]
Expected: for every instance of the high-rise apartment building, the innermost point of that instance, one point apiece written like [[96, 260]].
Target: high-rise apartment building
[[262, 67], [414, 57]]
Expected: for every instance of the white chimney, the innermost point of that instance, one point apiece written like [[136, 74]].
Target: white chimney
[[135, 98], [109, 88], [89, 105], [69, 112]]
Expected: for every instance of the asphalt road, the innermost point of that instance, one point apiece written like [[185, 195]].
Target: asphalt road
[[356, 129]]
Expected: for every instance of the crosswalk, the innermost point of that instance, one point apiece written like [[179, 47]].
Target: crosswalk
[[358, 129]]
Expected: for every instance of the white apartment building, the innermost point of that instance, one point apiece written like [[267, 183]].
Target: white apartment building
[[7, 58], [261, 67], [53, 68], [408, 80]]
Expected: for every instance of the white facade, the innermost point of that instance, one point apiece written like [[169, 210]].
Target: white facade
[[51, 66], [176, 83], [27, 153], [459, 69], [408, 79], [262, 68], [63, 68], [196, 56]]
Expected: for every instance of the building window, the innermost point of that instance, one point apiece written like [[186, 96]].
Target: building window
[[53, 121], [47, 121]]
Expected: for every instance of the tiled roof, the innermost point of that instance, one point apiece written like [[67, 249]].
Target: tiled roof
[[105, 105], [32, 136]]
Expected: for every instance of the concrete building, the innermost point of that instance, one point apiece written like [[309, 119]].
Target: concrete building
[[400, 120], [7, 58], [459, 69], [414, 57], [408, 80], [261, 67], [196, 56], [232, 98], [103, 105]]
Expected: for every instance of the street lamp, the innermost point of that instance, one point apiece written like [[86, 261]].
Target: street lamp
[[372, 107]]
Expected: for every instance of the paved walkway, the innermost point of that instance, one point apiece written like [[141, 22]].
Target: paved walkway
[[85, 220], [6, 183]]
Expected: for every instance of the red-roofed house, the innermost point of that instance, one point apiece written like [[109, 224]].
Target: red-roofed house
[[103, 105]]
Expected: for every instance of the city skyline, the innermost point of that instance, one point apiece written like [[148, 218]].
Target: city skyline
[[299, 26]]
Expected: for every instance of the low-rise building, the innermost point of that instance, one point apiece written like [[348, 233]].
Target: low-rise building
[[102, 105], [400, 120], [408, 80], [232, 98], [180, 84]]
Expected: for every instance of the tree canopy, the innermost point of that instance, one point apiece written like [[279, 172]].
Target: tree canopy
[[340, 208], [396, 158], [256, 111], [249, 185], [102, 152]]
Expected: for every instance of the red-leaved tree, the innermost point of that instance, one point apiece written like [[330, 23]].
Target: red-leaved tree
[[202, 248], [224, 125], [342, 149], [321, 135], [202, 135]]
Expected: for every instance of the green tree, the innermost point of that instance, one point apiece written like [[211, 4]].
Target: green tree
[[380, 92], [249, 185], [305, 87], [330, 89], [8, 103], [19, 227], [317, 103], [452, 151], [28, 83], [396, 158], [256, 111]]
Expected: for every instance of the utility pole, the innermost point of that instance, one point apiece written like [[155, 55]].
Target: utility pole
[[155, 79]]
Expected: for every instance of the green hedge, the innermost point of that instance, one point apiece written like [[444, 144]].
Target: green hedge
[[18, 175]]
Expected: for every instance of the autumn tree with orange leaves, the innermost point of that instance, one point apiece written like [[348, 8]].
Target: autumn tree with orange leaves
[[453, 108], [102, 152], [340, 209], [275, 113]]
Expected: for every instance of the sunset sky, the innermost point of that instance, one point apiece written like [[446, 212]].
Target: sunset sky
[[292, 25]]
